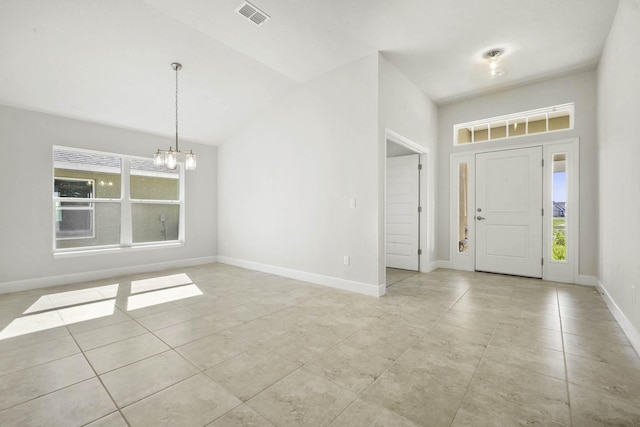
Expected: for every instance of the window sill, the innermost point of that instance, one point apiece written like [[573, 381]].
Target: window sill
[[119, 249]]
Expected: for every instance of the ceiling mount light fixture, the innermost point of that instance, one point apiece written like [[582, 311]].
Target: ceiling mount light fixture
[[496, 68], [169, 158]]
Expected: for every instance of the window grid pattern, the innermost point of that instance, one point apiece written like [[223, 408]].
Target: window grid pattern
[[131, 201], [544, 120]]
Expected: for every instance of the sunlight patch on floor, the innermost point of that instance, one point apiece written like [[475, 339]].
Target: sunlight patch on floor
[[65, 299], [58, 317], [162, 296]]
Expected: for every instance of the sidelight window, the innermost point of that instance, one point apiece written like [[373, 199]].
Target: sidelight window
[[463, 208], [560, 207]]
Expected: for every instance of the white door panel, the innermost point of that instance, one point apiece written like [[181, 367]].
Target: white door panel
[[509, 212], [507, 241], [402, 200]]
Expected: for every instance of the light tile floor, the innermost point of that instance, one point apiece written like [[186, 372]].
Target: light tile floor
[[222, 346], [395, 275]]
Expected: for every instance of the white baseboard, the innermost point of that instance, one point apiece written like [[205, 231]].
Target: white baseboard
[[318, 279], [434, 265], [429, 267], [586, 280], [630, 331], [444, 264], [63, 279]]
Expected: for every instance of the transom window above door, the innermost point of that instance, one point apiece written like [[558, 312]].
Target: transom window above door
[[543, 120]]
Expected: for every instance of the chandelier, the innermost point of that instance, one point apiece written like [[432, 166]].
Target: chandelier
[[169, 158]]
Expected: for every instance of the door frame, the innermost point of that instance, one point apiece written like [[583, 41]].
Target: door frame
[[566, 271], [424, 219]]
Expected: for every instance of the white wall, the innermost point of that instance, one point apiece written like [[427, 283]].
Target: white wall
[[26, 257], [619, 153], [286, 178], [405, 110], [579, 88]]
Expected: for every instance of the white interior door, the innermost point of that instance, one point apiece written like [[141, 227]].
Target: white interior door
[[402, 215], [509, 212]]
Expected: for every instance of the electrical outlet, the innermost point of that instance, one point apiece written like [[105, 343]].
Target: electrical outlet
[[633, 293], [346, 260], [162, 218], [352, 203]]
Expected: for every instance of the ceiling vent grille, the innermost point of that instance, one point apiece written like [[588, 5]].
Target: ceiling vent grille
[[252, 13]]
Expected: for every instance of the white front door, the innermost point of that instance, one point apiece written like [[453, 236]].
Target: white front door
[[509, 212], [402, 212]]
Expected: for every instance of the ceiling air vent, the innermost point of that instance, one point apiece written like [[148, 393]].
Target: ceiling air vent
[[252, 13]]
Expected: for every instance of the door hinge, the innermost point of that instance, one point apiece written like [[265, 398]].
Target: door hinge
[[541, 261], [542, 211], [542, 162], [419, 208], [419, 166], [419, 251]]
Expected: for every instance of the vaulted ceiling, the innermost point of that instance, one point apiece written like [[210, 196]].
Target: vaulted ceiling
[[109, 61]]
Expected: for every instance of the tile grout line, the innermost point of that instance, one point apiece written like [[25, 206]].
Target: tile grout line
[[200, 372], [262, 391], [43, 363], [70, 335], [170, 349], [199, 316], [564, 359], [438, 321], [394, 362], [48, 393], [482, 358], [100, 380], [358, 395]]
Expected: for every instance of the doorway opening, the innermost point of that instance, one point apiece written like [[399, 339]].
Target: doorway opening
[[403, 209]]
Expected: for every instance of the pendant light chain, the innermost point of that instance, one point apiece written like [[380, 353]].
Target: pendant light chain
[[169, 159], [177, 149]]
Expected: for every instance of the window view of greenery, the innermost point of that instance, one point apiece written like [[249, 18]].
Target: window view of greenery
[[559, 243], [559, 240]]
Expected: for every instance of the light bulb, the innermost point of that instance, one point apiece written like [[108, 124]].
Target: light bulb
[[496, 68], [158, 159], [190, 161], [171, 159]]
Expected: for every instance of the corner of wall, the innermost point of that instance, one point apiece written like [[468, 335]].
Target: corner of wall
[[375, 290]]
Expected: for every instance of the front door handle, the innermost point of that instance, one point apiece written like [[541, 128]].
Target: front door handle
[[480, 218]]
